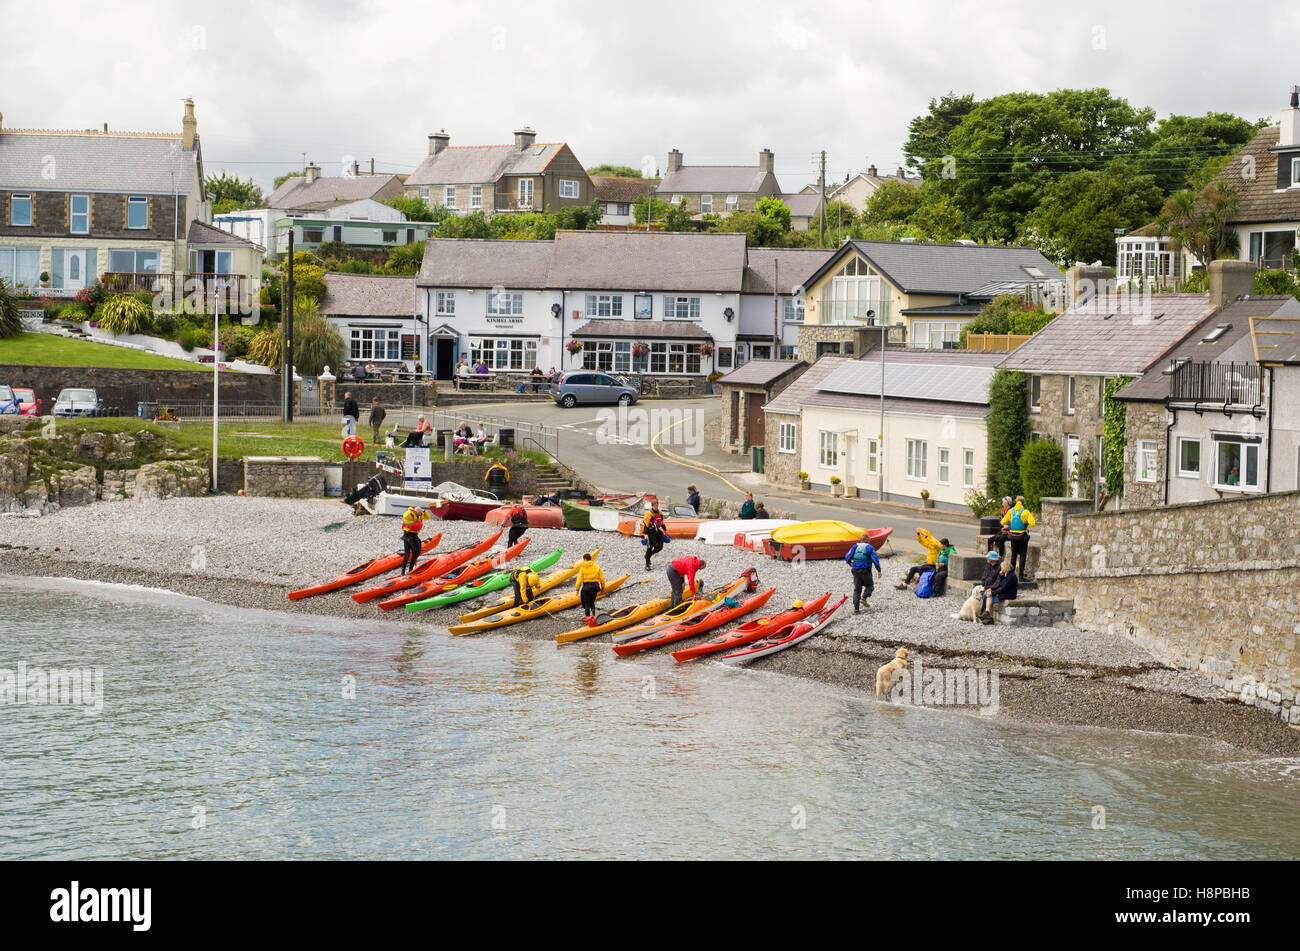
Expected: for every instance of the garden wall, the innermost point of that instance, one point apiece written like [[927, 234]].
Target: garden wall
[[124, 388]]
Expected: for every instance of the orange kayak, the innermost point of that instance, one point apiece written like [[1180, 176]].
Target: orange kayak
[[362, 572], [454, 578], [716, 616], [539, 516], [425, 570], [752, 630], [747, 582]]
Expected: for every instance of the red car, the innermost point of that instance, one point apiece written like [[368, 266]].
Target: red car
[[28, 404]]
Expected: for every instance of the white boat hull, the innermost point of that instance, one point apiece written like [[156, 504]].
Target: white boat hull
[[725, 532]]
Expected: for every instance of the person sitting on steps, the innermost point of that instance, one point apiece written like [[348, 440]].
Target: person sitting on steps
[[1004, 589]]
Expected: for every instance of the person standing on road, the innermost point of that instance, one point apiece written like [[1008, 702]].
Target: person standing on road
[[377, 415], [693, 498], [1018, 521], [591, 581], [654, 532], [860, 558], [412, 523], [351, 413], [683, 570], [518, 525]]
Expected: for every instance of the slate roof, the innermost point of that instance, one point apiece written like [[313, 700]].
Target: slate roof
[[1277, 340], [920, 268], [791, 266], [762, 372], [729, 179], [1258, 199], [368, 295], [621, 189], [958, 382], [296, 193], [201, 234], [477, 164], [876, 180], [803, 205], [468, 262], [944, 310], [1093, 340], [644, 329], [144, 163]]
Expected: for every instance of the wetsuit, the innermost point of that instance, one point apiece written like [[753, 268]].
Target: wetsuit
[[412, 523]]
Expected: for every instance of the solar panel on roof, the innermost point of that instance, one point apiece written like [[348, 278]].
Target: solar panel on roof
[[956, 384]]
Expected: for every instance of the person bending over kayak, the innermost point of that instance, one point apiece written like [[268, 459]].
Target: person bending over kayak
[[681, 570], [860, 558], [412, 524], [518, 525], [591, 581], [654, 531], [524, 582], [1018, 521]]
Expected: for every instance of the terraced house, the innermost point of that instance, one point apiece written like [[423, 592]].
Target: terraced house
[[127, 209], [496, 179]]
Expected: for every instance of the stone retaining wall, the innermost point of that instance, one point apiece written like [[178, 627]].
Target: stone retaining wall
[[125, 388], [1036, 612], [285, 477]]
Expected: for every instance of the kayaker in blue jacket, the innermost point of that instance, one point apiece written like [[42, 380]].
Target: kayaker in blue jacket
[[860, 558]]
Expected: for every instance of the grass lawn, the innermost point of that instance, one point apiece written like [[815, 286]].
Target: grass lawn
[[53, 351]]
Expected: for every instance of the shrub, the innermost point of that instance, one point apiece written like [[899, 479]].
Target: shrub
[[1008, 431], [981, 504], [803, 477], [317, 344], [125, 314], [75, 312], [835, 480], [235, 340], [264, 348], [190, 338], [925, 493], [308, 282], [1041, 474], [165, 325], [11, 322]]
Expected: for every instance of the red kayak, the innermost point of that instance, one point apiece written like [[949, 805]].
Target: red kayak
[[716, 616], [752, 630], [426, 570], [788, 636], [454, 579], [457, 511], [362, 572], [539, 516]]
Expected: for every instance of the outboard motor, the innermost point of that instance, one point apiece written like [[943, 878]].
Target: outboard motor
[[370, 491]]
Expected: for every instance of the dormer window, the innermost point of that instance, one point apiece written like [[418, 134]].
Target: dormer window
[[1216, 333]]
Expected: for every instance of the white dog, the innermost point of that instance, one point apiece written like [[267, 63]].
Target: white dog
[[885, 675], [973, 606]]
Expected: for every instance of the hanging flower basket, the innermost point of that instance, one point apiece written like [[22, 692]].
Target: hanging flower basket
[[640, 349], [706, 349], [574, 347]]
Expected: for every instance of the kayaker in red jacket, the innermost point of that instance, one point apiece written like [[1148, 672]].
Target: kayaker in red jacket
[[682, 570]]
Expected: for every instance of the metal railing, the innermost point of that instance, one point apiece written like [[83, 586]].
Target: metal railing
[[546, 438], [852, 312], [188, 410], [1225, 383]]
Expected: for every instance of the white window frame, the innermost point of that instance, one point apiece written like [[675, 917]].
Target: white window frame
[[476, 196], [30, 269], [14, 199], [918, 451], [444, 303], [674, 307], [1035, 383], [375, 343], [733, 202], [793, 311], [1295, 173], [968, 468], [604, 305], [678, 358], [608, 356], [1188, 473], [1069, 396], [828, 448], [525, 202], [137, 201], [505, 353], [505, 304], [944, 457], [569, 188], [677, 199], [1243, 448], [73, 214], [424, 193], [706, 204], [873, 457], [787, 353], [449, 197], [1146, 461], [787, 437]]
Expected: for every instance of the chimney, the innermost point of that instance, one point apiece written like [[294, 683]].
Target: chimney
[[1230, 280], [871, 170], [2, 121], [311, 173], [901, 173], [524, 138], [674, 161], [1086, 281], [189, 125], [438, 141], [356, 169], [766, 160], [1290, 134]]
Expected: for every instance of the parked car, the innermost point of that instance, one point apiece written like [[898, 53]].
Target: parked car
[[77, 402], [8, 402], [28, 403], [586, 386]]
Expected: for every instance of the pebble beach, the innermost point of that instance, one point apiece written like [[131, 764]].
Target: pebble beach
[[250, 552]]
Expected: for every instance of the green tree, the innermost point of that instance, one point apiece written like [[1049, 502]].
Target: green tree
[[317, 343], [281, 179], [927, 135], [1181, 146], [939, 218], [1198, 221], [1007, 430], [579, 217], [840, 214], [415, 208], [405, 259], [614, 171], [230, 194], [893, 201], [658, 209], [678, 218], [11, 321], [1042, 474], [1081, 210], [775, 209]]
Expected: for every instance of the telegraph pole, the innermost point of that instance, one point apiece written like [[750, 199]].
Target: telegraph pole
[[286, 348], [776, 302], [821, 190]]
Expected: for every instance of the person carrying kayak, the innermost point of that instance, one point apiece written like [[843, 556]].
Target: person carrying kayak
[[412, 524], [747, 510], [860, 558], [591, 581], [524, 582], [683, 570], [1018, 521], [518, 525], [498, 478], [654, 531]]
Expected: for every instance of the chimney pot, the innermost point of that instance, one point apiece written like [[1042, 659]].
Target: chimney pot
[[766, 160], [524, 138], [674, 161], [1230, 280], [189, 125], [312, 172], [438, 141]]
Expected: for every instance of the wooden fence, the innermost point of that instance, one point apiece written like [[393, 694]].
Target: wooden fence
[[995, 341]]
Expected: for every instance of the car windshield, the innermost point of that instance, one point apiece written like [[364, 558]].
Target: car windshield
[[81, 396], [26, 394], [6, 394]]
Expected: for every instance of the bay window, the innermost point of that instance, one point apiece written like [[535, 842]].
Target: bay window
[[612, 356], [675, 358], [505, 353]]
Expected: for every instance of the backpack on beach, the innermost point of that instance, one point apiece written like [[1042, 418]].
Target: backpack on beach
[[925, 584]]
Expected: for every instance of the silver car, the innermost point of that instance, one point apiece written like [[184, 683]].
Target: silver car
[[592, 386], [76, 402]]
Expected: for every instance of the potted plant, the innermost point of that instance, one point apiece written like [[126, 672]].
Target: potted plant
[[803, 481], [45, 278], [926, 501], [837, 487]]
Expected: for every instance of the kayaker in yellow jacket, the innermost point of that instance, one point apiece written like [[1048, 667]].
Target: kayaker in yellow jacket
[[1018, 521], [933, 548], [412, 522], [524, 582], [591, 581]]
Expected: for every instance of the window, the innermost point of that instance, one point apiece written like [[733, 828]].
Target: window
[[1236, 464], [918, 451], [968, 469], [786, 353], [724, 357], [1035, 393], [133, 262], [476, 196], [682, 308], [943, 466], [390, 237], [424, 192], [675, 358], [1189, 457], [623, 208], [937, 334], [137, 212], [1295, 172], [568, 188], [1272, 249], [525, 193], [613, 356], [375, 344], [20, 211], [79, 214], [445, 302], [706, 204], [20, 267], [449, 196], [505, 305], [733, 202], [505, 353], [827, 346], [828, 454], [338, 232], [787, 438], [604, 305], [794, 310], [1069, 396], [1147, 458], [224, 260], [677, 199], [873, 456], [313, 235]]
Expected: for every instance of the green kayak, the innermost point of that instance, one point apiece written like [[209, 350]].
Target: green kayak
[[485, 585]]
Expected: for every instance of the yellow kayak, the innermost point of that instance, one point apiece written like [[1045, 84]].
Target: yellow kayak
[[805, 533], [538, 607], [687, 608], [621, 618], [545, 583]]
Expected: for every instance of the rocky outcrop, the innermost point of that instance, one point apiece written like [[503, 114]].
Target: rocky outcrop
[[14, 463], [166, 480], [76, 486]]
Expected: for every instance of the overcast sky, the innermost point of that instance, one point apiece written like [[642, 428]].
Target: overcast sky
[[621, 83]]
